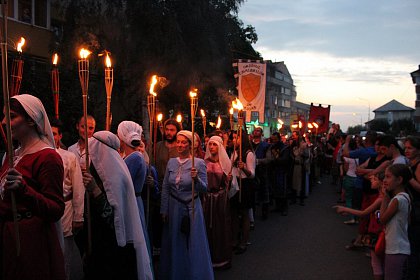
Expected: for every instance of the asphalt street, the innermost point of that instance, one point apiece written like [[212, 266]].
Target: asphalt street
[[307, 244]]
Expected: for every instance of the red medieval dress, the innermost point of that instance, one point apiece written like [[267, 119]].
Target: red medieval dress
[[40, 205], [216, 211]]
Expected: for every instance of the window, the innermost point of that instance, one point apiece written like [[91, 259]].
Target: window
[[254, 115], [41, 13], [287, 91], [34, 12], [25, 11], [274, 99], [273, 113], [11, 9], [278, 75], [285, 103]]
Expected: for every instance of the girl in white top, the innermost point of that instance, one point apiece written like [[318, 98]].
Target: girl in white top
[[395, 209]]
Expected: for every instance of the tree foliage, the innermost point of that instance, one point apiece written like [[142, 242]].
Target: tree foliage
[[403, 127], [379, 125], [192, 43], [353, 130]]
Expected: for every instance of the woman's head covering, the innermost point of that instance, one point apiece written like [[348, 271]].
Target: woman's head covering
[[34, 108], [224, 160], [119, 189], [107, 138], [129, 131], [187, 134]]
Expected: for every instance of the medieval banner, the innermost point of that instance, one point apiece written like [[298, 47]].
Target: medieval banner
[[251, 88], [320, 115]]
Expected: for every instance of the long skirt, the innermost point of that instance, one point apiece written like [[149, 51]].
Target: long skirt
[[218, 224], [185, 256]]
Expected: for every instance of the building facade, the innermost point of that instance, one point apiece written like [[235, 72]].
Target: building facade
[[393, 111], [416, 80], [280, 95]]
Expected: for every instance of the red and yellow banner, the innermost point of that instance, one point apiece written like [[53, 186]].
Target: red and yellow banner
[[251, 88]]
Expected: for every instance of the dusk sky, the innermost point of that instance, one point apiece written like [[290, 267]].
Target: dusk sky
[[348, 54]]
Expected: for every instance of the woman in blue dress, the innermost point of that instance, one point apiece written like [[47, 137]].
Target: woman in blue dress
[[185, 252], [129, 134]]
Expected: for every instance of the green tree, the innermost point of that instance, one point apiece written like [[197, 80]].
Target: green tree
[[192, 43], [353, 130], [403, 127], [379, 125]]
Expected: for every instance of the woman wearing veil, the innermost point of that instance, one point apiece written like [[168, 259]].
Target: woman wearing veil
[[36, 178], [216, 203], [130, 136], [119, 248]]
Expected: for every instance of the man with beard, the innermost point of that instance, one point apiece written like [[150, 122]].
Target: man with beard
[[165, 150]]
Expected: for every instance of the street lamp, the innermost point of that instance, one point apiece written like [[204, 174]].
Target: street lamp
[[361, 122]]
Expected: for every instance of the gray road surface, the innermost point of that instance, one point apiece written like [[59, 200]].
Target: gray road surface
[[307, 244]]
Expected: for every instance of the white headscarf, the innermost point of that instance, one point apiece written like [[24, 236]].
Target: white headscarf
[[129, 131], [189, 136], [224, 160], [119, 189], [34, 108]]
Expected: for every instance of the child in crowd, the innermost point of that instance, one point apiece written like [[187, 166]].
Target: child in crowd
[[395, 209], [374, 227]]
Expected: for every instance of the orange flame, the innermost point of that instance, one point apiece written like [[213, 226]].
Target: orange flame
[[231, 111], [193, 93], [20, 44], [179, 118], [237, 105], [108, 61], [203, 114], [310, 125], [55, 59], [159, 117], [300, 124], [152, 85], [84, 53], [315, 124], [219, 122]]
